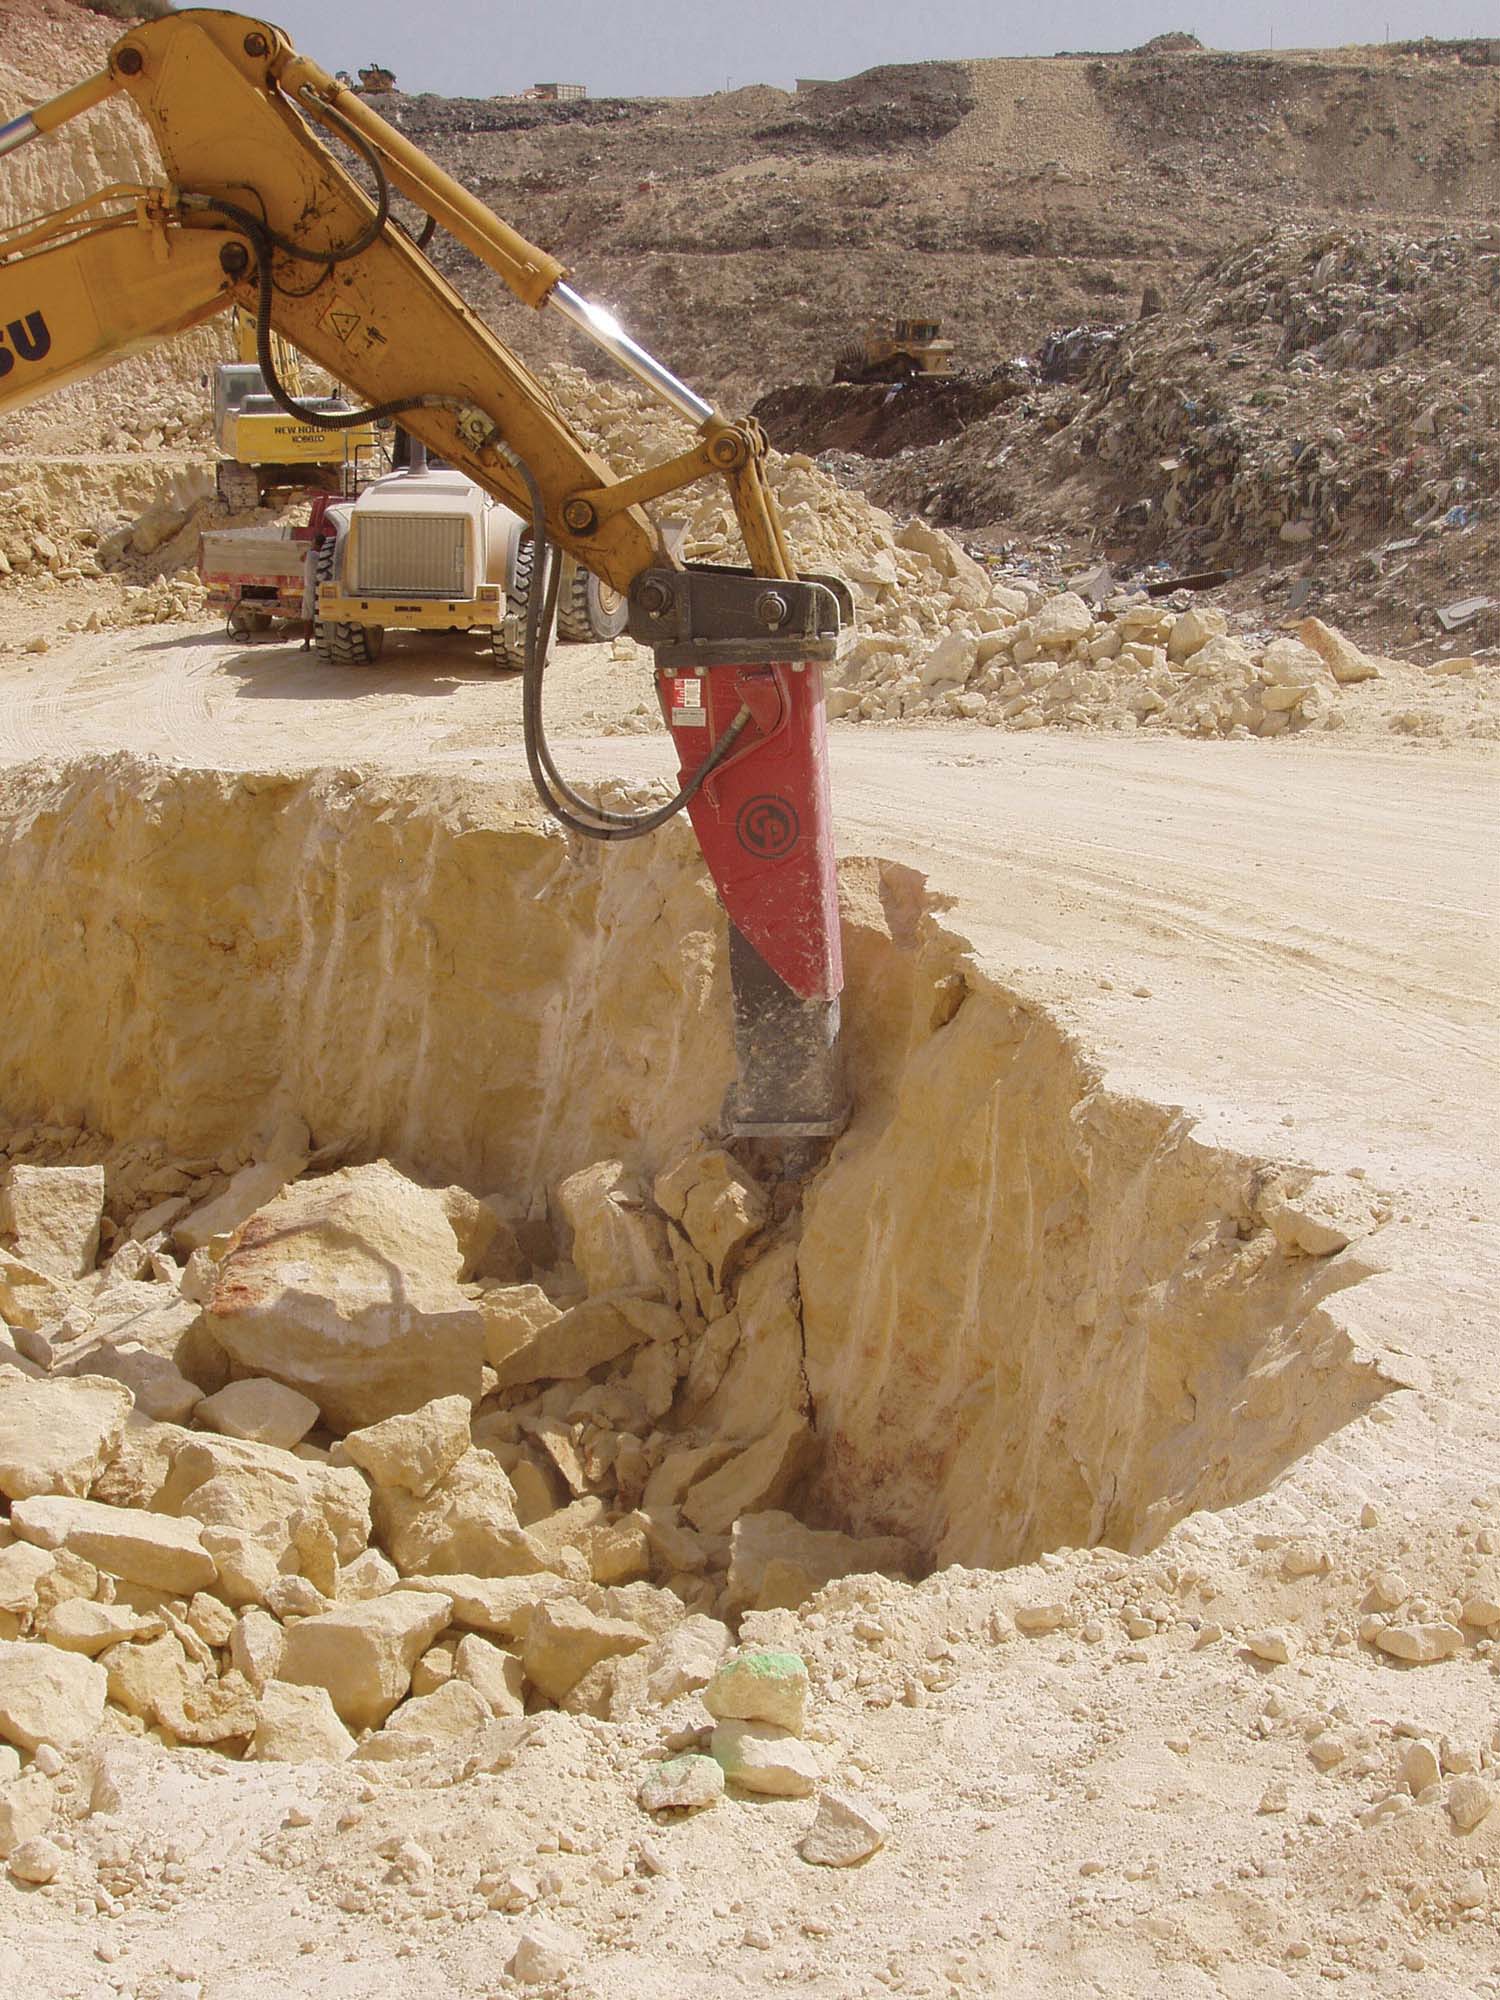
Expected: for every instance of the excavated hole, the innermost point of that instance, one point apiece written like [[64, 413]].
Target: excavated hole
[[1017, 1312]]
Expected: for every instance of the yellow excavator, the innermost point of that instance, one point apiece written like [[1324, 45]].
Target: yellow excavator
[[258, 211], [263, 450]]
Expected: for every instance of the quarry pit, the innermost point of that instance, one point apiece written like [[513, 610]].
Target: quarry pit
[[469, 1528]]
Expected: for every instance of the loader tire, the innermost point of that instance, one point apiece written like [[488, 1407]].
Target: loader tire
[[588, 610], [344, 645], [508, 638], [850, 365]]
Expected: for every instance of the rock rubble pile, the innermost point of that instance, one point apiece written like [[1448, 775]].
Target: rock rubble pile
[[1322, 401], [327, 1465], [938, 636]]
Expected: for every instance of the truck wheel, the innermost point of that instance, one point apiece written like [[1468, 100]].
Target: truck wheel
[[508, 638], [237, 485], [587, 609], [344, 645]]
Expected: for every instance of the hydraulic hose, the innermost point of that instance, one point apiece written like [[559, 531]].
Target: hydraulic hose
[[264, 239], [570, 808]]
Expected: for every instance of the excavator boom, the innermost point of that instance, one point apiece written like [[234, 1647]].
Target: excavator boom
[[260, 212]]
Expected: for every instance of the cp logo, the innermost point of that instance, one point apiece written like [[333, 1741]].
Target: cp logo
[[768, 827]]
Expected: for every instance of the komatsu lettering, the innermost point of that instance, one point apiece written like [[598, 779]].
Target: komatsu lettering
[[29, 337]]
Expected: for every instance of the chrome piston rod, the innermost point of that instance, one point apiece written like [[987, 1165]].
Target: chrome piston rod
[[19, 132], [605, 331]]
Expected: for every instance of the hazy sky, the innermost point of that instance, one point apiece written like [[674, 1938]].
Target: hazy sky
[[632, 48]]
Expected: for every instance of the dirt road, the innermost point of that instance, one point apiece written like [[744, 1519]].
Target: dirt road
[[1296, 942]]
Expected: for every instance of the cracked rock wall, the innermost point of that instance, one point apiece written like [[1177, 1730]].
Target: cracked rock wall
[[1034, 1313]]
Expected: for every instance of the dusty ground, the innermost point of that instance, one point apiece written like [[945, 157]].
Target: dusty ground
[[1322, 979], [1182, 969]]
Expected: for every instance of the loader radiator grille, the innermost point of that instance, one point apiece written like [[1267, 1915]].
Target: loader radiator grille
[[410, 556]]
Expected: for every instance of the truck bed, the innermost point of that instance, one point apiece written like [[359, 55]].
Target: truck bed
[[243, 556]]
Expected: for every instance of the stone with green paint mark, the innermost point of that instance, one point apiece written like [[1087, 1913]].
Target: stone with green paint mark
[[682, 1784], [760, 1686]]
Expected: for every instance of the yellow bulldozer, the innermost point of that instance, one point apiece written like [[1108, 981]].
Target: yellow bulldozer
[[909, 349]]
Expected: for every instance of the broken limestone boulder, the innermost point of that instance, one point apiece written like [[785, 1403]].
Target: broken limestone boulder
[[682, 1784], [260, 1411], [619, 1242], [154, 1550], [760, 1685], [758, 1757], [585, 1337], [715, 1203], [514, 1315], [347, 1288], [58, 1436], [51, 1216], [428, 1723], [298, 1725], [564, 1639], [758, 1477], [160, 1389], [253, 1489], [845, 1832], [363, 1654], [49, 1696], [22, 1569], [775, 1562], [212, 1226], [501, 1606], [416, 1450], [495, 1675], [466, 1522], [26, 1809], [685, 1659], [1341, 656], [1317, 1220]]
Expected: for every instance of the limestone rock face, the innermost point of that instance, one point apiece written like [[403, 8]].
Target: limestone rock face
[[363, 1654], [48, 1696], [151, 1549], [57, 1436], [52, 1216], [416, 1450], [347, 1288]]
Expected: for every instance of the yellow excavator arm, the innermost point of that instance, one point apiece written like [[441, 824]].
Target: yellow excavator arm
[[259, 212]]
